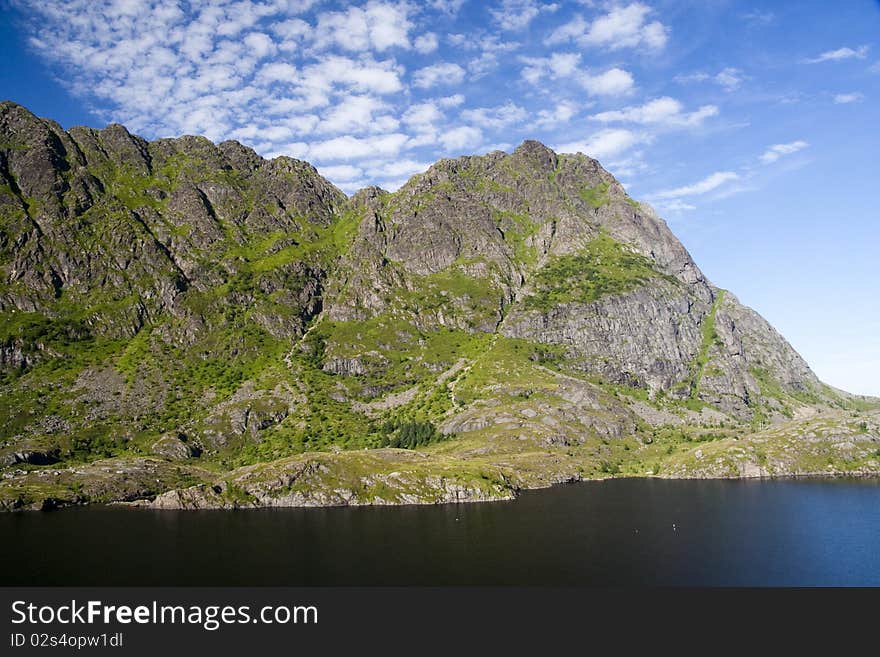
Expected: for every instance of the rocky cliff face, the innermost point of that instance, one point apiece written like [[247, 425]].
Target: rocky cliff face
[[173, 303], [550, 249]]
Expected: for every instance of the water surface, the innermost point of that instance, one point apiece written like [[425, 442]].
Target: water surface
[[628, 532]]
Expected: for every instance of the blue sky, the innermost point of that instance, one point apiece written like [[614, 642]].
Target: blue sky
[[750, 126]]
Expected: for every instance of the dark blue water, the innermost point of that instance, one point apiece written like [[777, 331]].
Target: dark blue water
[[619, 533]]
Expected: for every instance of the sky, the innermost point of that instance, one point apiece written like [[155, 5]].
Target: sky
[[752, 127]]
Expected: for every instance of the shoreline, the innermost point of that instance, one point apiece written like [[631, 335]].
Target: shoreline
[[149, 504]]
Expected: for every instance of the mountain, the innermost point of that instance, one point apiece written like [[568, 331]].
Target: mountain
[[188, 325]]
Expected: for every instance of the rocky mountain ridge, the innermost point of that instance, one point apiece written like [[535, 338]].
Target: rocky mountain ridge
[[189, 323]]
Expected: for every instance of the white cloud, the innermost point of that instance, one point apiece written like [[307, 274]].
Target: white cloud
[[481, 66], [357, 114], [449, 7], [606, 143], [259, 44], [557, 65], [675, 206], [277, 72], [426, 43], [730, 79], [495, 118], [293, 149], [707, 184], [450, 101], [330, 85], [630, 165], [422, 115], [622, 27], [489, 46], [394, 185], [275, 133], [560, 114], [342, 172], [778, 150], [364, 76], [560, 65], [663, 111], [444, 73], [423, 119], [215, 70], [613, 82], [291, 32], [843, 99], [574, 30], [841, 53], [515, 15], [390, 169], [463, 138], [376, 26], [354, 148]]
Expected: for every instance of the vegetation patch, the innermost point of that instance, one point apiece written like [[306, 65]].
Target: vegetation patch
[[709, 337], [409, 435], [518, 230], [596, 196], [603, 267]]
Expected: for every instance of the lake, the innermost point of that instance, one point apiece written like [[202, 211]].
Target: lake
[[627, 532]]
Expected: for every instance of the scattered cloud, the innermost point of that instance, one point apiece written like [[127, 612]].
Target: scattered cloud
[[722, 184], [704, 186], [557, 65], [461, 139], [514, 15], [371, 90], [841, 53], [356, 115], [778, 150], [426, 43], [495, 118], [353, 148], [622, 27], [629, 164], [664, 111], [843, 99], [341, 172], [444, 73], [675, 206], [565, 65], [606, 143], [614, 82], [450, 101], [423, 115], [551, 118], [729, 79], [448, 7], [489, 48], [396, 168], [423, 121], [376, 26]]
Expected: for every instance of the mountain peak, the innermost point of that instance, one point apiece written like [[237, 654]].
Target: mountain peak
[[533, 146], [536, 153]]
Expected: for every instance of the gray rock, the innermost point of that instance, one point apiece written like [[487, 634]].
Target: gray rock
[[172, 447]]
